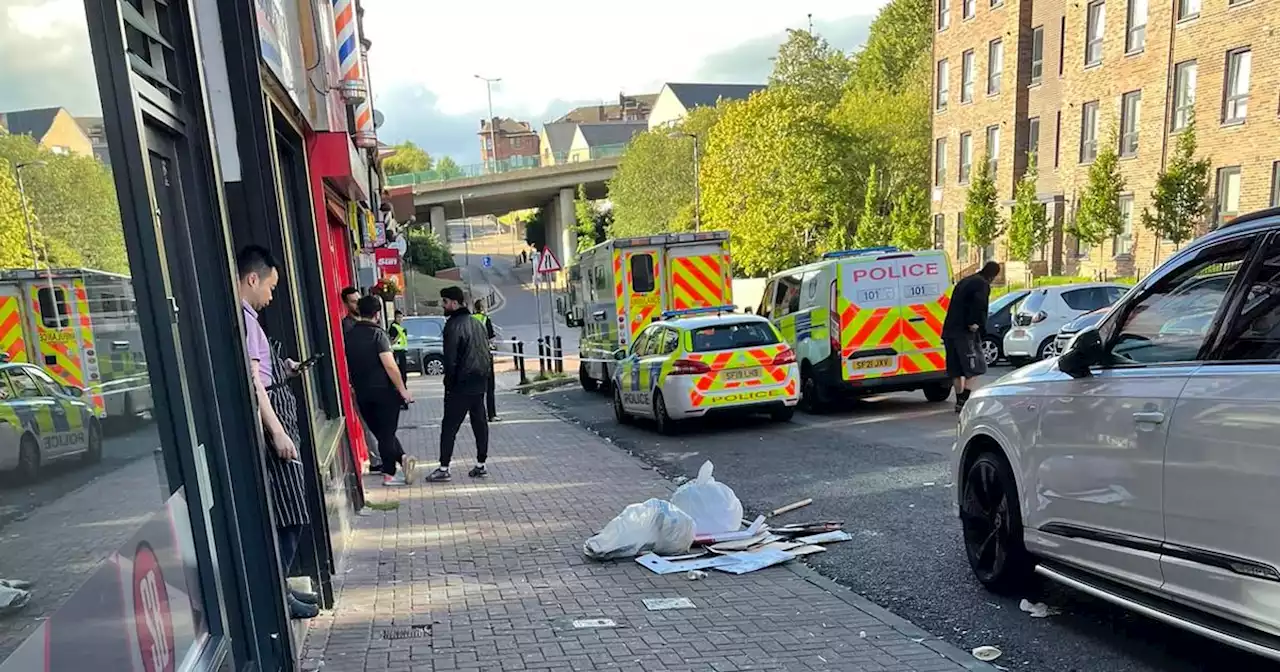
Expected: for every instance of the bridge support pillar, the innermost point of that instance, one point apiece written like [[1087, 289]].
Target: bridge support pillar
[[438, 223], [567, 226]]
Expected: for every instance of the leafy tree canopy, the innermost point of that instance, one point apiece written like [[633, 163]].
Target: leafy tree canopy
[[912, 229], [810, 65], [408, 158], [873, 226], [652, 190], [447, 168], [1029, 228], [1098, 215], [983, 222], [1181, 195]]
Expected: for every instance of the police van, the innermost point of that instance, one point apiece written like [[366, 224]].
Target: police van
[[864, 321]]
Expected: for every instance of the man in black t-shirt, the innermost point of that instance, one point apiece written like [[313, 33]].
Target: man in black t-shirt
[[380, 391], [963, 328]]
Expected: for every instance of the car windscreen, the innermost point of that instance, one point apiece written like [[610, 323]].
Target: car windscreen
[[1002, 301], [1034, 301], [733, 335], [424, 327]]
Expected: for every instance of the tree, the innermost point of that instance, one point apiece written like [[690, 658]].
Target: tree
[[425, 252], [1098, 215], [982, 220], [1029, 228], [408, 158], [447, 169], [777, 176], [652, 190], [912, 229], [809, 64], [873, 226], [592, 223], [900, 38], [14, 251], [1181, 195], [535, 229]]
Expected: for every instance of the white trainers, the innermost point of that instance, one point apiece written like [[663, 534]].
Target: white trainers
[[410, 469]]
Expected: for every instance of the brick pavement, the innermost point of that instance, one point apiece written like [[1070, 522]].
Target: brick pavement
[[488, 575]]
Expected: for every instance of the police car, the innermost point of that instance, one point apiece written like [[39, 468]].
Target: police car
[[705, 360], [42, 421]]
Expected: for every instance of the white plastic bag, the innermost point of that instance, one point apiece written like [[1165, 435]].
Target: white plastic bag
[[654, 525], [712, 505]]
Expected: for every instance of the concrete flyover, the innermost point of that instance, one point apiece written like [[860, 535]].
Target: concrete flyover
[[552, 187]]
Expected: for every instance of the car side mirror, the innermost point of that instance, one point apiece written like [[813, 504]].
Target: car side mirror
[[619, 354], [1084, 351], [73, 390]]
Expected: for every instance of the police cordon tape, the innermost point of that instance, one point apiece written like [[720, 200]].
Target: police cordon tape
[[534, 355]]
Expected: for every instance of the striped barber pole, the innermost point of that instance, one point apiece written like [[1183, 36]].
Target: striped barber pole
[[344, 26]]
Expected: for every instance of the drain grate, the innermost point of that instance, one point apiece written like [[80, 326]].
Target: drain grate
[[413, 632]]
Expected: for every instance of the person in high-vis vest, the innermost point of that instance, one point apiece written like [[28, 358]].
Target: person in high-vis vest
[[491, 404], [400, 345]]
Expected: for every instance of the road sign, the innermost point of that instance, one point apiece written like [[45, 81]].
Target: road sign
[[548, 263], [487, 261]]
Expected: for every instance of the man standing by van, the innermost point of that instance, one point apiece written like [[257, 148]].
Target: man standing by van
[[962, 330]]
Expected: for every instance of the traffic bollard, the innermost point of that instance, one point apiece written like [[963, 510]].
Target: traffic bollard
[[559, 361], [517, 347], [542, 357]]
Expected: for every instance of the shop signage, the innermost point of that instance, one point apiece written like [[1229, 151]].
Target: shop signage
[[141, 611], [388, 261], [280, 41]]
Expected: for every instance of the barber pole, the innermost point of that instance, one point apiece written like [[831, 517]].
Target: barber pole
[[344, 24], [366, 136]]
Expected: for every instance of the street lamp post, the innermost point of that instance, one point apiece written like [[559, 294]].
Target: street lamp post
[[466, 242], [697, 189], [31, 239], [493, 142]]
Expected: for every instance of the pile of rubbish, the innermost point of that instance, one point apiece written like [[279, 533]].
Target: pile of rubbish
[[14, 595], [702, 528]]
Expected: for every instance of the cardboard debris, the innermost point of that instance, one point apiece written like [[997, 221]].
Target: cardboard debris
[[707, 539], [826, 537], [660, 565], [744, 544], [754, 560]]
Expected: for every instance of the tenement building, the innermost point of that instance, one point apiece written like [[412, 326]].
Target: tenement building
[[1063, 79]]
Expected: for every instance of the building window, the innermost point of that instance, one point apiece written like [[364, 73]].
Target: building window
[[966, 156], [1130, 106], [1235, 104], [944, 14], [968, 8], [1188, 9], [1057, 138], [1095, 26], [1033, 137], [995, 66], [997, 3], [1228, 194], [962, 245], [1122, 243], [1062, 45], [1184, 94], [1089, 132], [517, 143], [993, 149], [966, 77], [1135, 34], [939, 162], [942, 90], [939, 232], [1275, 184], [1037, 54]]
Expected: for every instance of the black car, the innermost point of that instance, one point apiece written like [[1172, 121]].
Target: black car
[[999, 321]]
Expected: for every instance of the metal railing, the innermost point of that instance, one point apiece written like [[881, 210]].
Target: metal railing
[[456, 172]]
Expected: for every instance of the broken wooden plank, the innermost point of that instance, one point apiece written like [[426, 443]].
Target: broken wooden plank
[[791, 507]]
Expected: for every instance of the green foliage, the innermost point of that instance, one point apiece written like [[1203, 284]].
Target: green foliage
[[73, 199], [1098, 215], [808, 64], [408, 158], [14, 251], [447, 168], [1029, 228], [592, 223], [777, 176], [912, 228], [425, 252], [652, 190], [899, 40], [983, 222], [1181, 195], [873, 226]]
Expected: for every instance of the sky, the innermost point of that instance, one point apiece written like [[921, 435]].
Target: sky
[[551, 57]]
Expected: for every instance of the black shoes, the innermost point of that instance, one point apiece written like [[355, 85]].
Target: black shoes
[[440, 475], [961, 398], [299, 609], [478, 471]]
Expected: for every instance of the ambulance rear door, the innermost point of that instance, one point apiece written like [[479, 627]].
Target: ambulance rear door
[[869, 317], [698, 275], [641, 269], [56, 316], [14, 341], [923, 285]]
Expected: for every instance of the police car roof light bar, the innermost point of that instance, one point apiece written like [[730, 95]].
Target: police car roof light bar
[[686, 312], [840, 254]]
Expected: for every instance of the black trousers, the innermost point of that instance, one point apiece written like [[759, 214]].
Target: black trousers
[[382, 414], [402, 361], [289, 536], [456, 407]]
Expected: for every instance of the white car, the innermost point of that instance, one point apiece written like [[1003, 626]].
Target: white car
[[707, 360], [1046, 310], [1140, 466]]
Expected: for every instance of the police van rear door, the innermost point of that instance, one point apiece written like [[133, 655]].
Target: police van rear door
[[923, 284], [869, 316]]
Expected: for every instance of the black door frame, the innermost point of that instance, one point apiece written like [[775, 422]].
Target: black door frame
[[149, 79]]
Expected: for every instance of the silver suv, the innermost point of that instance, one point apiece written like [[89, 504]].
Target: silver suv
[[1143, 465]]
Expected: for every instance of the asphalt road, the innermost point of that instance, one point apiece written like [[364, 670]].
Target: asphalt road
[[882, 467], [120, 447]]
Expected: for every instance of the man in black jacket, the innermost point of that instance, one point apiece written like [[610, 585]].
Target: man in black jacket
[[963, 328], [467, 367]]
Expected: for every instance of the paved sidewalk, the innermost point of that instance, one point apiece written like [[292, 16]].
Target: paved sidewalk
[[489, 575]]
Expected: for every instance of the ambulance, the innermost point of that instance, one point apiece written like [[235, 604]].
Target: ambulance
[[621, 286], [80, 326], [864, 321]]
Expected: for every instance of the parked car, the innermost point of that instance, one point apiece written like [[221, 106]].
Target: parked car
[[1140, 465], [1074, 327], [43, 421], [1044, 312], [999, 321], [426, 344]]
